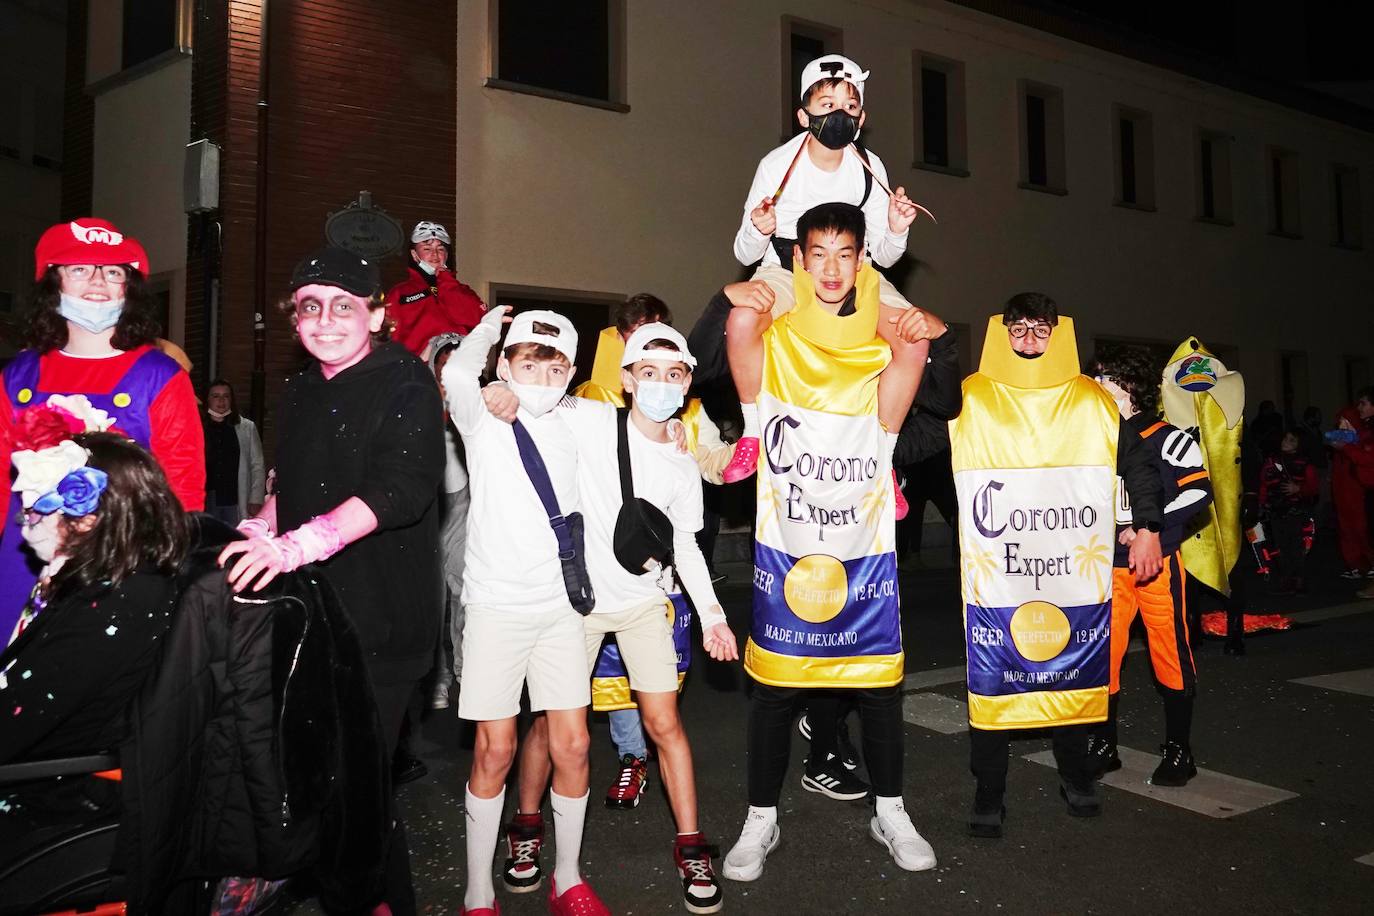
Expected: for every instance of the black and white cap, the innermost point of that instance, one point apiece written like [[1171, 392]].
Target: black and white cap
[[833, 66], [334, 266]]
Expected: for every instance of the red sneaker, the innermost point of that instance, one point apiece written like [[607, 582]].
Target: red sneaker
[[744, 462], [701, 892], [578, 900], [493, 910], [524, 840], [628, 787], [899, 498]]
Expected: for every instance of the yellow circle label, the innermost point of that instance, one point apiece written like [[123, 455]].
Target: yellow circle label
[[25, 395], [122, 400], [816, 588], [1040, 630]]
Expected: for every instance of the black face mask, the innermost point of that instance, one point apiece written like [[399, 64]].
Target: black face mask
[[834, 129]]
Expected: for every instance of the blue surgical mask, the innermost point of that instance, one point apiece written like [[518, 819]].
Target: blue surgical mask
[[658, 400], [96, 318]]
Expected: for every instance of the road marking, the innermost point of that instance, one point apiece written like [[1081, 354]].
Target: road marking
[[1366, 860], [1360, 681], [1330, 613], [936, 712], [1210, 793]]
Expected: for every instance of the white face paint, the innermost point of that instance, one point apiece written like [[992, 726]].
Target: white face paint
[[44, 536]]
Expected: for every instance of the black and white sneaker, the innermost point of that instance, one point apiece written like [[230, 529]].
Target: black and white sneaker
[[804, 727], [833, 780], [849, 755]]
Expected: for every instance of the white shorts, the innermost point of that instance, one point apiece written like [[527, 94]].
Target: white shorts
[[779, 281], [506, 650], [644, 633]]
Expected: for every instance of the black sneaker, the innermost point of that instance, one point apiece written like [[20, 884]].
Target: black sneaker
[[985, 821], [524, 839], [849, 756], [1083, 800], [701, 892], [1176, 768], [833, 780], [407, 768], [804, 727], [1102, 757]]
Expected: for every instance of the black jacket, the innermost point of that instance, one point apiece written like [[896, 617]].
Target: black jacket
[[374, 431], [938, 400], [255, 748]]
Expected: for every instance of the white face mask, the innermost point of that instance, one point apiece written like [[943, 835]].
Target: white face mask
[[537, 400], [427, 267], [43, 538]]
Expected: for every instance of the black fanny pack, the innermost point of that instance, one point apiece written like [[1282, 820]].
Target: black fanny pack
[[643, 535], [566, 528]]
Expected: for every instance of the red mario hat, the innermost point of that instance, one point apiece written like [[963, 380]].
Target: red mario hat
[[87, 241]]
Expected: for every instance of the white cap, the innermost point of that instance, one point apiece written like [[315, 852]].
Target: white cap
[[646, 334], [833, 66], [522, 331], [425, 230]]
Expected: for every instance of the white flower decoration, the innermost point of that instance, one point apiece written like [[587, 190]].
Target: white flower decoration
[[80, 406], [41, 471]]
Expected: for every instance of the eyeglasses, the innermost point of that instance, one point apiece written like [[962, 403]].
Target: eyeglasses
[[1022, 328], [30, 517], [113, 274]]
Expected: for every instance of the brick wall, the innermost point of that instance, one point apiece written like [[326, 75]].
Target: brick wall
[[362, 98]]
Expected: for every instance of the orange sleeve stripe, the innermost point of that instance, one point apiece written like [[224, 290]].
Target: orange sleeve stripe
[[1153, 429], [1195, 476]]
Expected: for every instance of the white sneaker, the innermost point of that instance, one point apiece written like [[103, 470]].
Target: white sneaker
[[439, 700], [758, 838], [907, 847]]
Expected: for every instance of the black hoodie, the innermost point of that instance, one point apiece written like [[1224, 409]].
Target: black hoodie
[[374, 431]]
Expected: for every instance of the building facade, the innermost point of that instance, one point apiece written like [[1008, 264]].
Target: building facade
[[583, 152]]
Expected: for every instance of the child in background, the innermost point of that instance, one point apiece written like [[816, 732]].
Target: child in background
[[1288, 495]]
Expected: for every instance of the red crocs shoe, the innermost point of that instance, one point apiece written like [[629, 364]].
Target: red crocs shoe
[[628, 787], [493, 910], [744, 462], [899, 498], [578, 900], [701, 892]]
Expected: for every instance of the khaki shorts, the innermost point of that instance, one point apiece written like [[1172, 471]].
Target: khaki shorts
[[644, 633], [780, 282], [504, 651]]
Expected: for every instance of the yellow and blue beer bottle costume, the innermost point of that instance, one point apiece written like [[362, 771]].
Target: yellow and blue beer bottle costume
[[825, 571], [1200, 393], [1034, 455]]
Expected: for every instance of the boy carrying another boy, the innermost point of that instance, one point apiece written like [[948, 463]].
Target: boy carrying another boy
[[821, 165], [635, 545], [521, 628]]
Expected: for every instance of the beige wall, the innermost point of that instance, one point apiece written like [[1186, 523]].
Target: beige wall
[[141, 130], [561, 195]]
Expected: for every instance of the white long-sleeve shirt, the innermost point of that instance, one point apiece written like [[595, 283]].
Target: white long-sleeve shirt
[[808, 187]]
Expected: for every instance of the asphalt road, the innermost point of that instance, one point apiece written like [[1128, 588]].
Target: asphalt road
[[1144, 855]]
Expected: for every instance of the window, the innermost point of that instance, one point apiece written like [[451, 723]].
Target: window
[[1213, 167], [1283, 194], [1042, 138], [1133, 146], [150, 29], [1293, 387], [589, 313], [47, 134], [941, 130], [586, 62], [802, 42], [1345, 207]]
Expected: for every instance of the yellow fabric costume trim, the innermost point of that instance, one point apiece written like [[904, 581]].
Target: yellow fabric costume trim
[[778, 670], [1035, 710], [613, 693], [1216, 413]]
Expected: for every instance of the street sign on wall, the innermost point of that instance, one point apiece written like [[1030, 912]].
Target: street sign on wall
[[365, 230]]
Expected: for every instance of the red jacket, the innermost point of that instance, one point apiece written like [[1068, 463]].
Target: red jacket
[[1357, 459], [422, 306]]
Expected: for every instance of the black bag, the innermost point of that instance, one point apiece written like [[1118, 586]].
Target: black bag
[[643, 534], [567, 529]]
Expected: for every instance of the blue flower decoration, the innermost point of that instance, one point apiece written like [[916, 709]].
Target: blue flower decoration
[[76, 494]]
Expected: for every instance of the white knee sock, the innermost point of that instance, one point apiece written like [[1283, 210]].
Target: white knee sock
[[568, 815], [751, 419], [891, 440], [483, 828], [770, 814]]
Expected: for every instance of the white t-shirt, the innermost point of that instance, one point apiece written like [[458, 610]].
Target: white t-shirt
[[808, 187], [662, 475], [512, 554]]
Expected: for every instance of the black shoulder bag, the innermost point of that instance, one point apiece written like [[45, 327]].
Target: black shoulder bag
[[643, 535], [567, 529]]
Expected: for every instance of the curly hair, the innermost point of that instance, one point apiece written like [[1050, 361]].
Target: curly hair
[[138, 521], [47, 329], [1134, 369]]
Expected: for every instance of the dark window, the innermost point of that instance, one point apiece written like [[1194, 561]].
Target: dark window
[[150, 29], [1277, 167], [588, 318], [557, 45], [805, 49], [1209, 196], [1036, 167], [1128, 161], [935, 116]]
